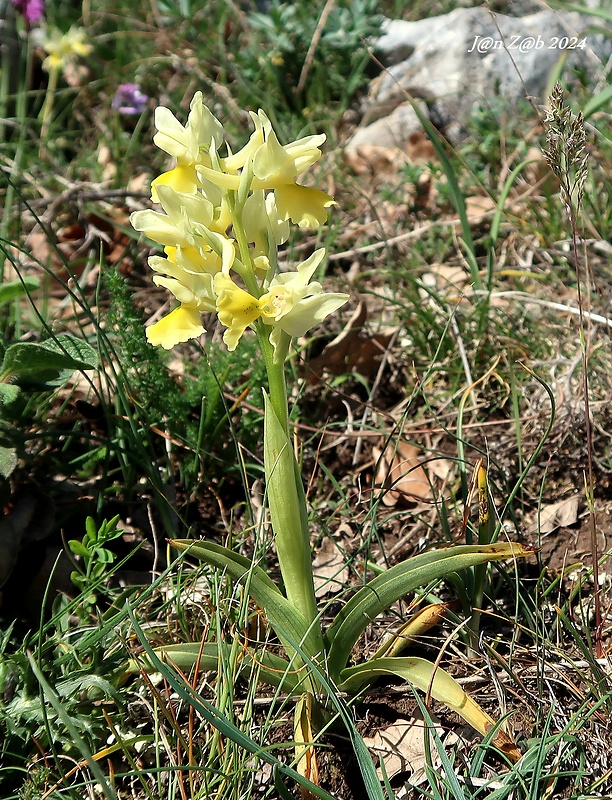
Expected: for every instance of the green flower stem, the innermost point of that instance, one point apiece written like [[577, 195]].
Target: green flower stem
[[286, 497], [47, 109]]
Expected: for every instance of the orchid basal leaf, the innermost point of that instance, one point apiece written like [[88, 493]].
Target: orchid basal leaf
[[282, 616], [267, 667], [417, 625], [384, 590], [434, 681]]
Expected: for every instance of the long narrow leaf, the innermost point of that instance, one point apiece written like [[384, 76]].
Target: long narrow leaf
[[384, 590], [63, 714], [455, 191], [433, 680], [272, 669], [280, 613]]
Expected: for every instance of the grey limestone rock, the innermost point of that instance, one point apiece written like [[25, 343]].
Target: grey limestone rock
[[466, 59]]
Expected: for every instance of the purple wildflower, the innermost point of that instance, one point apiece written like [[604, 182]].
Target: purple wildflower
[[32, 10], [130, 99]]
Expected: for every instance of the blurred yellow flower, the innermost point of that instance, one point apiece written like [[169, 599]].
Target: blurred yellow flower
[[62, 48], [178, 326]]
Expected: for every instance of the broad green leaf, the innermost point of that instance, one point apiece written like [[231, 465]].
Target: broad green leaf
[[281, 615], [12, 289], [79, 549], [384, 590], [271, 669], [48, 363], [432, 680]]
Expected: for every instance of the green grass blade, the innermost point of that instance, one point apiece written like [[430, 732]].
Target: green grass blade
[[54, 701], [455, 192], [217, 719], [600, 100]]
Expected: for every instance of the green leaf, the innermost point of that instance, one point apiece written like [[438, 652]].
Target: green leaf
[[582, 8], [79, 549], [380, 593], [8, 461], [432, 680], [281, 615], [12, 289], [62, 712], [215, 717], [48, 363], [8, 393], [270, 668], [455, 190], [600, 100], [288, 516]]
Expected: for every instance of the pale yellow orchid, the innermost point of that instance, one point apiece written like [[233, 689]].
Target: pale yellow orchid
[[178, 326], [177, 227], [189, 144], [294, 304], [188, 274], [276, 164], [62, 48], [236, 308], [304, 206], [275, 167], [263, 224]]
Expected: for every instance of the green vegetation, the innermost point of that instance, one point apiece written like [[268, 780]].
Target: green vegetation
[[461, 397]]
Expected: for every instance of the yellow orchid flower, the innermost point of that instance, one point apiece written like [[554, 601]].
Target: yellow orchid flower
[[304, 206], [63, 48], [263, 224], [275, 167], [178, 326], [189, 144], [294, 304], [177, 226], [236, 308], [276, 164], [188, 274]]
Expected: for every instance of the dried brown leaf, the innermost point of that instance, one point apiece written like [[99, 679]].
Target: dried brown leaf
[[401, 474], [329, 569], [556, 515], [401, 746]]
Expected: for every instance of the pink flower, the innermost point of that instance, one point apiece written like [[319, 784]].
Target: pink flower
[[32, 10]]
